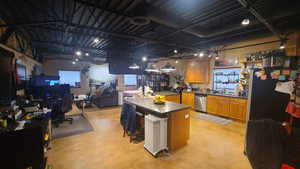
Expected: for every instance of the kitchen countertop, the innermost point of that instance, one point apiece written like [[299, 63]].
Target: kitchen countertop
[[166, 93], [156, 109]]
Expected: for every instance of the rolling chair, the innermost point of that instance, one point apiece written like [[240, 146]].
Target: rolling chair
[[65, 107]]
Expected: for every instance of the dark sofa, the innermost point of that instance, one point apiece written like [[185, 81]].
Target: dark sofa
[[106, 99]]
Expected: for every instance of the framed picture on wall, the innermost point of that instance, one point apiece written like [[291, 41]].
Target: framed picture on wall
[[21, 72]]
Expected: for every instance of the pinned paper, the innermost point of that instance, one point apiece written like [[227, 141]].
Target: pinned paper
[[275, 74], [293, 75], [281, 77], [285, 87], [263, 77], [286, 72]]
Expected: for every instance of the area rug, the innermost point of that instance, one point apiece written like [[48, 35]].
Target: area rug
[[212, 118], [79, 125]]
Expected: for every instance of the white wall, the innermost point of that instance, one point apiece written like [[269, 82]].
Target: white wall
[[100, 73]]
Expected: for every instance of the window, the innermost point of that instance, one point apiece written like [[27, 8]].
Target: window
[[21, 70], [130, 80], [69, 77], [226, 79]]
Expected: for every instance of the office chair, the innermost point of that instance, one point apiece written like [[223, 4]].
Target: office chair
[[66, 106], [61, 109]]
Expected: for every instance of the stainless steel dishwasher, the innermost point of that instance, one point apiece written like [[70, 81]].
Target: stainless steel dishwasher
[[200, 102]]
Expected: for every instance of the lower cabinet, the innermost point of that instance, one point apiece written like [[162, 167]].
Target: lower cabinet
[[227, 106], [178, 129], [173, 98], [188, 98]]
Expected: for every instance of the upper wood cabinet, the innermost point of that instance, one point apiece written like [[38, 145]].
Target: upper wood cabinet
[[197, 71]]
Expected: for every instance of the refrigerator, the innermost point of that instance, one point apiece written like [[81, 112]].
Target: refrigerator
[[264, 103]]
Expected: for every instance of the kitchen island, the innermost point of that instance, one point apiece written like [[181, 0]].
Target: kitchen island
[[178, 119]]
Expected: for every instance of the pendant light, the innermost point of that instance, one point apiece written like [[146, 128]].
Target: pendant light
[[168, 68], [134, 66], [151, 68]]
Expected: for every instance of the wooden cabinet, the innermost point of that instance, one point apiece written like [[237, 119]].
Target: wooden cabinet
[[178, 129], [173, 98], [197, 71], [188, 98], [227, 106], [238, 109]]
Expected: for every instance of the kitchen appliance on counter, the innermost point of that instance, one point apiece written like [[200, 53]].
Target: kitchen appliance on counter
[[200, 102]]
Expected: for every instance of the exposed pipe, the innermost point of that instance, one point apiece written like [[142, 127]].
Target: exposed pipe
[[31, 23], [251, 45]]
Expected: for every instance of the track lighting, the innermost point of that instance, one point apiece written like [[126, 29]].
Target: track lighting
[[78, 53], [144, 59], [201, 54], [282, 46], [134, 66], [96, 40]]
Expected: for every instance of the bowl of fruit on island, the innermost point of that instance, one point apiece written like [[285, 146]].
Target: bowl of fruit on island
[[158, 99]]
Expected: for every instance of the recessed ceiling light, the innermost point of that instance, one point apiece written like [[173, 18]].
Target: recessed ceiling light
[[176, 61], [87, 54], [217, 57], [245, 22], [195, 54], [76, 59], [96, 40], [175, 51], [73, 62], [144, 58], [209, 55], [78, 53]]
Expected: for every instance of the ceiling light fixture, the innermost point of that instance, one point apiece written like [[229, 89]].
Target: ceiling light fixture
[[201, 54], [245, 22], [134, 66], [76, 59], [168, 68], [87, 54], [151, 68], [217, 57], [176, 61], [96, 40], [195, 54], [175, 51], [144, 58], [73, 62], [282, 46], [78, 53]]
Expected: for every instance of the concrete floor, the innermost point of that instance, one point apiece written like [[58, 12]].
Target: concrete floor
[[211, 146]]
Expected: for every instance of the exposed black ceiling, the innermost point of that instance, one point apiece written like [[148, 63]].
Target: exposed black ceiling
[[64, 26]]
